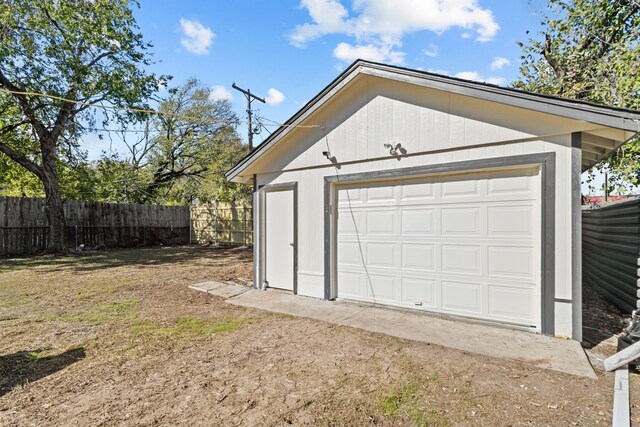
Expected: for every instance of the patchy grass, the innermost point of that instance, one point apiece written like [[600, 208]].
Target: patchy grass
[[188, 325], [117, 338], [102, 288], [17, 298], [407, 404], [104, 312], [31, 356]]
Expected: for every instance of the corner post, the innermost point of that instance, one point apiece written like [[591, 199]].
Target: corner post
[[576, 235]]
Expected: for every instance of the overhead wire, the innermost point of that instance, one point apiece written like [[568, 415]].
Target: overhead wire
[[147, 111]]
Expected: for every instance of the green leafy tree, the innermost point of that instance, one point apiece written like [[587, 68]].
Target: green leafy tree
[[211, 185], [82, 50], [15, 181], [590, 50], [188, 148], [77, 180], [117, 181]]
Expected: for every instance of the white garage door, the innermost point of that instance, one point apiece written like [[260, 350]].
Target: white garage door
[[467, 245]]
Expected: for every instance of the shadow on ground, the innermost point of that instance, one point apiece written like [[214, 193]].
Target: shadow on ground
[[601, 320], [161, 255], [26, 367]]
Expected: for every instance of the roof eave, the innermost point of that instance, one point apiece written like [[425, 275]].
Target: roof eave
[[627, 120], [598, 114]]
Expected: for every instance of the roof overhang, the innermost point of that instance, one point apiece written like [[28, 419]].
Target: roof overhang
[[620, 124]]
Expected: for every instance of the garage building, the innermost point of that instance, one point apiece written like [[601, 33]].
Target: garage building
[[425, 192]]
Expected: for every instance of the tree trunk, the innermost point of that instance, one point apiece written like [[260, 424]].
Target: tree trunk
[[54, 208]]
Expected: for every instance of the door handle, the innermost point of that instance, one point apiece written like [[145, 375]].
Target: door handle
[[291, 244]]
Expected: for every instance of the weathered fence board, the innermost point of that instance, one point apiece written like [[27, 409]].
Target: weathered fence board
[[23, 225], [611, 252], [222, 223]]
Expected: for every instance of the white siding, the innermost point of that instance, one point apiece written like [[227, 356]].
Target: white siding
[[440, 127]]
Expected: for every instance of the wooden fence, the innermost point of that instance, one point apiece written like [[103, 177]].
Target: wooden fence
[[23, 225], [611, 252], [222, 223]]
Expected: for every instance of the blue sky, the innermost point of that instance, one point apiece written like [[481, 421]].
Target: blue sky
[[287, 51]]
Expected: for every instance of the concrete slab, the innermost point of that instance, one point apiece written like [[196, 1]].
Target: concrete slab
[[228, 291], [286, 303], [206, 286], [538, 350]]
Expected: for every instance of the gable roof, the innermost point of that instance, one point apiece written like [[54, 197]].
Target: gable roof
[[616, 118]]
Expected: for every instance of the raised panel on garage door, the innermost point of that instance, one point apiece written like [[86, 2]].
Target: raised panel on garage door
[[466, 245]]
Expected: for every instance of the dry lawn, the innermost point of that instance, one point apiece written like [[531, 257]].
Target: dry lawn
[[117, 338]]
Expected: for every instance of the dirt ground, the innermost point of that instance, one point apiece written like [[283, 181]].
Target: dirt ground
[[117, 338]]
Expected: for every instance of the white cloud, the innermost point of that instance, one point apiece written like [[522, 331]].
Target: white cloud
[[196, 38], [495, 80], [474, 75], [348, 53], [439, 71], [329, 16], [468, 75], [499, 63], [431, 50], [220, 93], [274, 97], [380, 25]]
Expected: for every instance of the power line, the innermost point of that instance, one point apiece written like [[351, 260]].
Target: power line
[[148, 111]]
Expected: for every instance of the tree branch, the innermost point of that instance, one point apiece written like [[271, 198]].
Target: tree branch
[[54, 22], [64, 114], [553, 63], [27, 110], [612, 38], [99, 58], [22, 160]]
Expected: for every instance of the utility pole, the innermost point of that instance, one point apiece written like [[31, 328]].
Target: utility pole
[[250, 97]]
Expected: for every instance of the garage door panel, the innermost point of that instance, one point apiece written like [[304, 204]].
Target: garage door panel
[[464, 245], [420, 291], [350, 222], [513, 185], [418, 257], [418, 222], [510, 261], [461, 188], [350, 253], [461, 259], [381, 255], [381, 222], [511, 304], [380, 194], [461, 222], [417, 192], [381, 288], [462, 297], [517, 221], [351, 284], [351, 198]]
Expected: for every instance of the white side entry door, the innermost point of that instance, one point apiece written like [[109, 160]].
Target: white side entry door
[[279, 233]]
